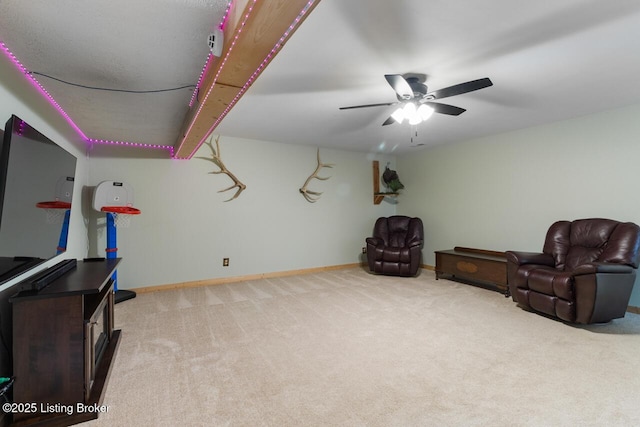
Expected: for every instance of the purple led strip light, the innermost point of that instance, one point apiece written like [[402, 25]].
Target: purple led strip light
[[64, 114], [40, 88], [207, 62], [131, 144], [215, 80], [21, 126], [202, 73], [253, 76]]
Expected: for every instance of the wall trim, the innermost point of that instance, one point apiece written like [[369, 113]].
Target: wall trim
[[235, 279], [632, 309]]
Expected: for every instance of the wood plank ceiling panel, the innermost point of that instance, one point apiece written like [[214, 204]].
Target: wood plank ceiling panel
[[249, 39]]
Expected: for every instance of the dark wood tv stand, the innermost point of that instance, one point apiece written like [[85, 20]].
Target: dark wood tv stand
[[64, 344]]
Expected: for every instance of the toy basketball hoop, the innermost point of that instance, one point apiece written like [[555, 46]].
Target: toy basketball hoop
[[121, 214], [58, 212], [55, 210], [115, 199]]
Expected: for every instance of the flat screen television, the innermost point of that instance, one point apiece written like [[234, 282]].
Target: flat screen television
[[33, 170]]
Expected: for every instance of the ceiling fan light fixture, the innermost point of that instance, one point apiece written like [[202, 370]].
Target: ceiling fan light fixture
[[415, 120], [416, 104], [409, 109], [425, 112], [411, 112], [398, 115], [415, 115]]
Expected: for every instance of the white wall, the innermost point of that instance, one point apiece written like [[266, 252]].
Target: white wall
[[503, 192], [500, 192], [186, 228], [19, 97]]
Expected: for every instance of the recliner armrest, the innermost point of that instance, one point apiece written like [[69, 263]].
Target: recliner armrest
[[521, 258], [602, 267], [414, 242], [373, 241]]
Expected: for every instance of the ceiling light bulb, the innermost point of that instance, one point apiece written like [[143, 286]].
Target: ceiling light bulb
[[415, 120], [409, 109], [425, 111], [411, 113], [398, 115]]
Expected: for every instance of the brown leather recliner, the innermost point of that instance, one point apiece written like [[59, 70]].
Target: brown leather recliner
[[585, 273], [396, 246]]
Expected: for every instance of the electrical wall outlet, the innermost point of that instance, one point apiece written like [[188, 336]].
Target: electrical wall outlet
[[225, 262], [364, 250]]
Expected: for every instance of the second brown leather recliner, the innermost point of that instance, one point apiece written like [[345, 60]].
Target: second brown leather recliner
[[584, 274], [396, 246]]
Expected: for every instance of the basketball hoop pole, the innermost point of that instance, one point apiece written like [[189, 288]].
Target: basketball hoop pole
[[54, 211], [116, 200], [64, 233], [112, 252]]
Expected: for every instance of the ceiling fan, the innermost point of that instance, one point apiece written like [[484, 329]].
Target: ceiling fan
[[416, 101]]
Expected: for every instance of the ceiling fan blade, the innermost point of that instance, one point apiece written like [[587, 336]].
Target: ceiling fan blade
[[460, 88], [384, 104], [389, 121], [400, 85], [451, 110]]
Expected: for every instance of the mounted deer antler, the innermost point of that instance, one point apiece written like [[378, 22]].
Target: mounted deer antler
[[313, 196], [215, 158]]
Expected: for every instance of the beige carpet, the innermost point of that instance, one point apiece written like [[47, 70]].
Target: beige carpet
[[347, 348]]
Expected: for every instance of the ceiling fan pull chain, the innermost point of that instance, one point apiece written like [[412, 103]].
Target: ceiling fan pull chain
[[414, 133]]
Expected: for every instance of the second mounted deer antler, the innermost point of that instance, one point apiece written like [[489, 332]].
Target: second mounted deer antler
[[313, 196], [217, 160]]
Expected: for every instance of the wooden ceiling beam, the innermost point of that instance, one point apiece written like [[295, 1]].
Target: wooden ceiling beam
[[254, 33]]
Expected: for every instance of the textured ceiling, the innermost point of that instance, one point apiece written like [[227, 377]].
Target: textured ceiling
[[548, 60], [121, 45]]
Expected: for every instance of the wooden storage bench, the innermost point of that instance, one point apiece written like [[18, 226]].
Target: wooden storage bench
[[488, 268]]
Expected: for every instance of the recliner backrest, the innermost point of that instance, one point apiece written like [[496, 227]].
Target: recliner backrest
[[573, 243], [397, 230]]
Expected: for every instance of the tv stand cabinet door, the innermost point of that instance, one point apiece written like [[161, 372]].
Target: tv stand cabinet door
[[48, 351]]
